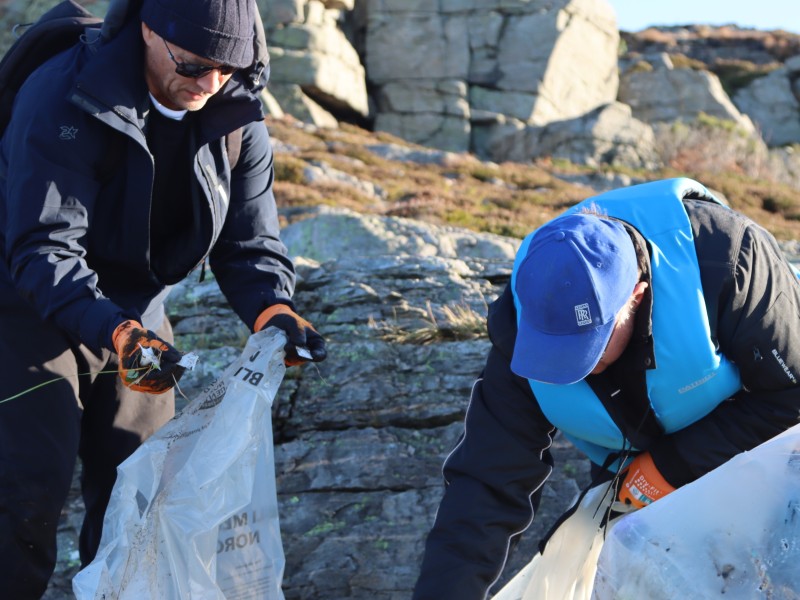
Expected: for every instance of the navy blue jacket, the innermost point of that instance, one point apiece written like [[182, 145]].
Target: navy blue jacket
[[75, 197], [494, 476]]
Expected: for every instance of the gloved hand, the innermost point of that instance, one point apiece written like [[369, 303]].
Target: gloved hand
[[643, 483], [304, 344], [146, 362]]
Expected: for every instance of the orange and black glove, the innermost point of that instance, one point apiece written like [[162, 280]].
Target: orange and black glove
[[304, 342], [643, 483], [146, 362]]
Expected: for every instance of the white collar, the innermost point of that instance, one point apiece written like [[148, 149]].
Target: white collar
[[176, 115]]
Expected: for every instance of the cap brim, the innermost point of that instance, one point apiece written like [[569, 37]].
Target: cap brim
[[558, 359]]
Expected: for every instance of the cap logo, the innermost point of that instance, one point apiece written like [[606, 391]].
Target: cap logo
[[582, 314]]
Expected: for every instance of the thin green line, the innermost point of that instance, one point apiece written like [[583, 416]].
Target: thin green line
[[36, 387]]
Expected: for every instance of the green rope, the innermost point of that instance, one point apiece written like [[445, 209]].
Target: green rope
[[36, 387]]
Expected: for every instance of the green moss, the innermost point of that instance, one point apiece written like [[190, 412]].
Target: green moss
[[736, 74], [382, 544], [712, 122], [325, 527]]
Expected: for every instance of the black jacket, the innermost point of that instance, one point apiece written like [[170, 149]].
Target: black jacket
[[75, 230], [495, 474]]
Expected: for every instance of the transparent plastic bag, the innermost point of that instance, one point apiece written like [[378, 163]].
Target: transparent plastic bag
[[194, 512], [734, 533], [566, 568]]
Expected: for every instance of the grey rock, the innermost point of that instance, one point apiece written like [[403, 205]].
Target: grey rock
[[668, 94], [774, 106], [360, 438], [608, 135]]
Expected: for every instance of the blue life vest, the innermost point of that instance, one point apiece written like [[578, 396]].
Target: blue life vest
[[691, 378]]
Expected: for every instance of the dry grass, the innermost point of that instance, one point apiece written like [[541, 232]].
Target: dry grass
[[456, 323], [514, 198]]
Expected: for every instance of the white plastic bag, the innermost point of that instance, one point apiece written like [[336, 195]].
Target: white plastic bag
[[734, 534], [566, 568], [194, 512]]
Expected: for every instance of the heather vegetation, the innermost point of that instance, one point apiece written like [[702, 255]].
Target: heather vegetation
[[513, 198]]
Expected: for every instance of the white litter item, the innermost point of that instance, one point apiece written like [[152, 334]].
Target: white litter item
[[194, 512], [188, 361], [149, 357], [733, 534], [566, 568]]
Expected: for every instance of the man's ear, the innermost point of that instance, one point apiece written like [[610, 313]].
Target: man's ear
[[148, 34], [638, 293]]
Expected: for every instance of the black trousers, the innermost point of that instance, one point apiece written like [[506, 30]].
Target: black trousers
[[87, 413]]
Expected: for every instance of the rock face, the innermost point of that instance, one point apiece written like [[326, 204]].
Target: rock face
[[360, 438], [774, 103], [658, 92], [521, 60], [309, 52], [608, 135]]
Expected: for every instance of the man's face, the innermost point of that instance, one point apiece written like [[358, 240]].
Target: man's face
[[170, 89]]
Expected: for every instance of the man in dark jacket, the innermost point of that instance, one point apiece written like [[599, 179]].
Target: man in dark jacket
[[656, 328], [116, 182]]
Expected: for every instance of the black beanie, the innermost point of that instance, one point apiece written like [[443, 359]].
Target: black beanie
[[219, 30]]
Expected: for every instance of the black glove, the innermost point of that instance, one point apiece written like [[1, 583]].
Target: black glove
[[304, 344], [146, 362]]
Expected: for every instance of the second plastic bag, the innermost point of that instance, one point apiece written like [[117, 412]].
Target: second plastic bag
[[566, 568], [734, 533], [194, 512]]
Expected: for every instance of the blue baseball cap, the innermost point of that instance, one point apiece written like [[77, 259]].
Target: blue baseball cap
[[579, 271]]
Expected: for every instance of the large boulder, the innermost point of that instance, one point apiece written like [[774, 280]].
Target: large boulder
[[773, 102], [658, 92], [607, 135], [532, 62], [308, 50]]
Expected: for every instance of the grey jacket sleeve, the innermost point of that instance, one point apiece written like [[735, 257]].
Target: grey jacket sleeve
[[753, 299]]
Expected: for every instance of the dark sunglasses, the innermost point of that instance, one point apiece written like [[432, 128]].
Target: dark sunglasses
[[195, 71]]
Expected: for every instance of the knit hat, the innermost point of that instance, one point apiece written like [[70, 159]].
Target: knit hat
[[219, 30], [578, 273]]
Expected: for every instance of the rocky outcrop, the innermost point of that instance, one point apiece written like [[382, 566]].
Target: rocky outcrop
[[309, 53], [658, 92], [360, 438], [522, 61], [607, 135], [758, 69], [715, 46], [773, 102]]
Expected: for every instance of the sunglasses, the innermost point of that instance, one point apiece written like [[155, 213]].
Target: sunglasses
[[195, 71]]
